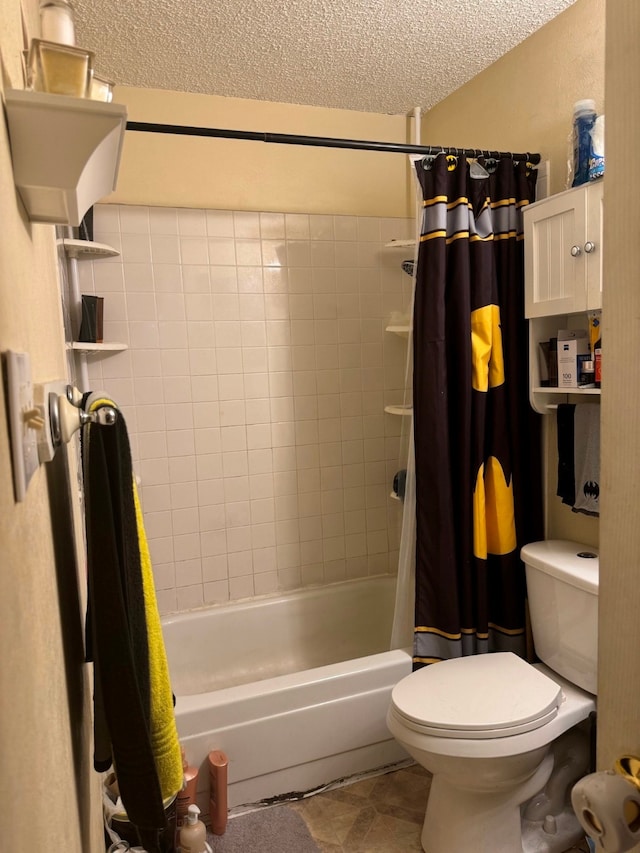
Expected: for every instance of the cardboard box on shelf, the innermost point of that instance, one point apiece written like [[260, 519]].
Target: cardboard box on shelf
[[571, 344]]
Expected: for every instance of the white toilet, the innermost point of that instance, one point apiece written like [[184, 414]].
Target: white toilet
[[498, 734]]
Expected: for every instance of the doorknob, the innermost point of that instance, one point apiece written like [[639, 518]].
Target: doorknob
[[589, 247], [575, 251]]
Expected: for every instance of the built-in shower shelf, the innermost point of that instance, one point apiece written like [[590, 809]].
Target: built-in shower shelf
[[395, 497], [401, 330], [404, 411]]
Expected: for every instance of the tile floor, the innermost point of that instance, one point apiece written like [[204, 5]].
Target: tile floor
[[382, 814]]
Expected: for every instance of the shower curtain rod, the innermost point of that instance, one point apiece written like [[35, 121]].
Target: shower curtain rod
[[324, 141]]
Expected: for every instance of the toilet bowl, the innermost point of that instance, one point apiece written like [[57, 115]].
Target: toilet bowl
[[502, 737]]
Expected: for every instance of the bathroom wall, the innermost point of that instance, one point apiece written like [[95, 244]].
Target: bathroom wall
[[254, 390], [524, 102], [50, 794]]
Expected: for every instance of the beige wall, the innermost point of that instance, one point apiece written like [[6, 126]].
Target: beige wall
[[619, 651], [524, 102], [48, 794], [178, 171]]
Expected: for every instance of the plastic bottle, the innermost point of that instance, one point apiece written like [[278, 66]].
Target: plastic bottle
[[193, 835], [187, 796], [584, 118], [218, 764], [597, 357], [56, 21]]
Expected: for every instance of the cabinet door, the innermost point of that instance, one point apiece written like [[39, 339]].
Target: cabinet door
[[555, 278], [593, 245]]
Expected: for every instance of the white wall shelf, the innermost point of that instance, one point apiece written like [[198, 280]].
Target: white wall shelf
[[402, 410], [401, 244], [65, 152], [87, 249], [85, 346], [401, 330]]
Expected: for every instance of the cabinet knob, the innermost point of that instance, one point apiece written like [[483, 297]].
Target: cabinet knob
[[589, 247], [575, 251]]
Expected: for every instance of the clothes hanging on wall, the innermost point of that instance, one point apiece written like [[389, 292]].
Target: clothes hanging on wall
[[579, 456]]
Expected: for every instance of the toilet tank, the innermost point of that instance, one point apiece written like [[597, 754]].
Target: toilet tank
[[562, 586]]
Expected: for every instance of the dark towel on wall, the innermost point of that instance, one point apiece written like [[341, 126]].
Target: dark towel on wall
[[117, 628], [579, 457], [566, 475]]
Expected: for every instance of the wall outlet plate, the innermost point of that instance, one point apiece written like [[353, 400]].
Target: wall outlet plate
[[20, 409]]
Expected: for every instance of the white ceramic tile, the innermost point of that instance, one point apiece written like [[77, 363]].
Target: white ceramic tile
[[264, 582], [108, 278], [200, 335], [210, 492], [224, 279], [198, 307], [219, 223], [283, 435], [233, 438], [206, 415], [299, 253], [136, 248], [275, 279], [214, 568], [345, 227], [170, 307], [177, 389], [208, 465], [231, 386], [226, 306], [246, 224], [185, 521], [191, 222], [261, 486], [195, 279], [154, 445], [251, 306], [276, 306], [259, 436], [323, 254], [321, 227], [256, 385], [165, 249], [240, 565], [173, 335], [253, 333], [194, 250], [222, 251], [182, 469], [216, 592], [163, 220], [248, 253], [164, 576], [211, 518], [249, 279], [278, 333], [204, 389], [202, 362], [297, 226], [106, 217], [213, 543], [232, 413], [238, 514], [300, 279], [148, 391], [167, 278], [241, 587], [189, 597]]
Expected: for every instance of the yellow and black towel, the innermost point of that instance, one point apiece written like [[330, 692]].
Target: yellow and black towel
[[134, 723]]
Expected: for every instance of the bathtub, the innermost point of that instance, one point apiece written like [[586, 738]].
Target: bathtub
[[293, 688]]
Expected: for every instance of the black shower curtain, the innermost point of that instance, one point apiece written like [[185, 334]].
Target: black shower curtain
[[477, 440]]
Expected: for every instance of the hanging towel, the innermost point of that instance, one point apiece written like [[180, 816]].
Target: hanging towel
[[134, 719], [566, 471], [586, 454]]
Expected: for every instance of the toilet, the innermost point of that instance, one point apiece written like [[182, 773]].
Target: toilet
[[502, 737]]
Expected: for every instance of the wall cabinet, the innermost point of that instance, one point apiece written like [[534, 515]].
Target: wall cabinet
[[563, 277], [563, 252]]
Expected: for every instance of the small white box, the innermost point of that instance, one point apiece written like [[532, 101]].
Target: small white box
[[571, 344]]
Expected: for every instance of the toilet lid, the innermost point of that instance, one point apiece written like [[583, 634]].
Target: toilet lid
[[480, 696]]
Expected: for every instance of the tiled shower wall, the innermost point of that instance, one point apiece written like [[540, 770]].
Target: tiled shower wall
[[254, 389]]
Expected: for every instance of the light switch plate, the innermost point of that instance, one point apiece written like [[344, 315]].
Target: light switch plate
[[24, 438]]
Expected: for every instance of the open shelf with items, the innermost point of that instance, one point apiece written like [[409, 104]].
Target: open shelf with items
[[544, 399]]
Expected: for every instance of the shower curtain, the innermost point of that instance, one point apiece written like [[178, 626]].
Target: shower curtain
[[477, 440]]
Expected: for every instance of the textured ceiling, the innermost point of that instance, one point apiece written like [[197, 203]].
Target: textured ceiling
[[383, 56]]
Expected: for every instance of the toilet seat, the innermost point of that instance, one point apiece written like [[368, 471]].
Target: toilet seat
[[477, 697]]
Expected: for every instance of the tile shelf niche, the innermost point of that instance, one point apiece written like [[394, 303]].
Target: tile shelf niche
[[89, 348], [400, 409], [65, 152]]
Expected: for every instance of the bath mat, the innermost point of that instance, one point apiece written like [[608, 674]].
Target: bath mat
[[278, 829]]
